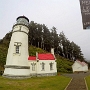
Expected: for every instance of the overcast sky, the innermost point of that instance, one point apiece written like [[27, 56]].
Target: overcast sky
[[65, 15]]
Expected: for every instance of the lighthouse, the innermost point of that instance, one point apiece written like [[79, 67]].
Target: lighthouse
[[17, 57]]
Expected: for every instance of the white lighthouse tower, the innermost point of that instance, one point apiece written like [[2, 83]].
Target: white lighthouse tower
[[17, 58]]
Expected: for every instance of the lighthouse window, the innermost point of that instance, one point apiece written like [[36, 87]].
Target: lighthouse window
[[17, 49]]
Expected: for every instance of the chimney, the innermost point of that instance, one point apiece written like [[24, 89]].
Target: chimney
[[52, 51]]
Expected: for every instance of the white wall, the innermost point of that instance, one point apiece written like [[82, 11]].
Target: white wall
[[85, 68], [47, 67], [30, 62], [78, 67], [16, 72], [38, 67], [12, 57]]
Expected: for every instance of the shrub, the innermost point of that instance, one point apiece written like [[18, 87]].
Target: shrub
[[1, 72]]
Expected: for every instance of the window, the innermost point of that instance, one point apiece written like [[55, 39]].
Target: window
[[33, 66], [43, 66], [17, 49], [51, 66]]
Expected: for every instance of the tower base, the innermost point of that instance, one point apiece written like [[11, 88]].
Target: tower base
[[16, 72], [15, 76]]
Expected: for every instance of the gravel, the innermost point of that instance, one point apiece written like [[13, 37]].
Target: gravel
[[78, 82]]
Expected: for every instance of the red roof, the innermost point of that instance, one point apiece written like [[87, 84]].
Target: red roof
[[46, 56], [32, 58], [82, 63]]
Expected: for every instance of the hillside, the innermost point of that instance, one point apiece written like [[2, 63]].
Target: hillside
[[63, 65]]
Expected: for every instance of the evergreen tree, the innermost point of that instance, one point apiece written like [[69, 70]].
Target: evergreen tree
[[54, 39]]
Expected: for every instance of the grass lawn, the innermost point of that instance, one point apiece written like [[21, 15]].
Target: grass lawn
[[88, 82], [35, 83]]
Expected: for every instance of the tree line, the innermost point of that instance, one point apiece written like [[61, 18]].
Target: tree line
[[42, 37]]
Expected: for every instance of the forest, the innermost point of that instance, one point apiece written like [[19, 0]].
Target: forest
[[42, 37]]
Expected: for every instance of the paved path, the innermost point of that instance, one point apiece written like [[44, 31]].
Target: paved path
[[78, 82]]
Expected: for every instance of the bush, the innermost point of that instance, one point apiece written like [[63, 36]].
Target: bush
[[64, 65], [1, 72]]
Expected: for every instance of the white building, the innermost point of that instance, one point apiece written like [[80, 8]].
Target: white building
[[79, 66], [43, 65], [17, 63], [17, 58]]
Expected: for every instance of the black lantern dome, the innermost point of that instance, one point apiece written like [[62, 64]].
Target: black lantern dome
[[22, 20]]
